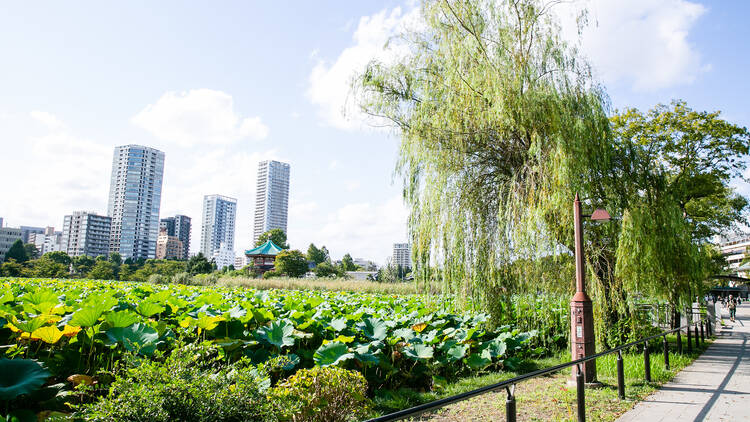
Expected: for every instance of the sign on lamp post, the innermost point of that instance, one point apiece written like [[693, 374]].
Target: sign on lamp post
[[581, 310]]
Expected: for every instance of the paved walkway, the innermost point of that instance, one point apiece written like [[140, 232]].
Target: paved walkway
[[716, 387]]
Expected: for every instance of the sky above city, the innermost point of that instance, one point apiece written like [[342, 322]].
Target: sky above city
[[219, 86]]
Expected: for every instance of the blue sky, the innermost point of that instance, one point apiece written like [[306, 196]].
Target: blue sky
[[219, 86]]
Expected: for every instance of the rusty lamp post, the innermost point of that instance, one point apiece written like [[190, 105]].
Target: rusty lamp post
[[581, 311]]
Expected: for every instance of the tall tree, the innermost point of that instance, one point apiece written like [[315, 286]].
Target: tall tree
[[102, 270], [198, 264], [59, 256], [17, 252], [500, 125], [83, 264], [277, 236], [291, 262], [347, 263], [316, 255], [31, 250]]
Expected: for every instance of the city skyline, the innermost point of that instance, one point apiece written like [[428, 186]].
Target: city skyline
[[216, 119]]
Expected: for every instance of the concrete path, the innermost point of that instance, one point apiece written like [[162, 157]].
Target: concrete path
[[716, 387]]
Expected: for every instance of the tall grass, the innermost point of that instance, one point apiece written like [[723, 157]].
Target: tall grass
[[331, 284]]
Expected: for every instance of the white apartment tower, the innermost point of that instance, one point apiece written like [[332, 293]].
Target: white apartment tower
[[86, 233], [271, 197], [401, 255], [134, 200], [218, 215]]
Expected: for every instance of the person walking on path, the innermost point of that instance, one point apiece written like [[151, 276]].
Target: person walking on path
[[732, 305]]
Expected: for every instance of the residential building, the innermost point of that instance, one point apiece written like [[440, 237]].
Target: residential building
[[134, 200], [735, 250], [179, 226], [49, 241], [240, 262], [365, 264], [8, 237], [401, 255], [223, 257], [219, 213], [1, 222], [271, 197], [168, 246], [86, 233], [28, 230]]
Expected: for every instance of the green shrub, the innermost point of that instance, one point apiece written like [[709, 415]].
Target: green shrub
[[182, 278], [323, 394], [270, 274], [157, 279], [192, 384]]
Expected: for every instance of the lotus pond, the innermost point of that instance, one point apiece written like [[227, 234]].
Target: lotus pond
[[86, 326]]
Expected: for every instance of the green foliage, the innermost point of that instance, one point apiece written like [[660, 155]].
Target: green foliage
[[31, 250], [271, 274], [291, 262], [324, 269], [347, 263], [277, 236], [185, 387], [11, 268], [316, 255], [83, 264], [48, 267], [322, 394], [198, 264], [17, 252], [102, 270], [60, 257], [20, 376]]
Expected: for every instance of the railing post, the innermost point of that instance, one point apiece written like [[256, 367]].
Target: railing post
[[679, 341], [697, 345], [620, 376], [666, 353], [580, 394], [690, 340], [703, 338], [510, 404], [646, 362], [709, 326]]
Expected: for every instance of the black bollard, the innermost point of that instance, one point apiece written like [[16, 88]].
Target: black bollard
[[580, 394], [697, 345], [646, 363], [703, 338], [689, 339], [666, 353], [510, 404], [620, 376], [679, 341]]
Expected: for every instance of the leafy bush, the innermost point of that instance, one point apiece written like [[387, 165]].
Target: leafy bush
[[205, 279], [157, 279], [182, 278], [271, 274], [189, 385], [322, 394]]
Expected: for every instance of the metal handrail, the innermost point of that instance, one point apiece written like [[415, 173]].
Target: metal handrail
[[509, 385]]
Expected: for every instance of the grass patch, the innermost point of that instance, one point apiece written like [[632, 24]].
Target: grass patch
[[550, 397], [330, 284]]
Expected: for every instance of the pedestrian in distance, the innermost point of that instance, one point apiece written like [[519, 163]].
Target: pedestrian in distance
[[732, 305]]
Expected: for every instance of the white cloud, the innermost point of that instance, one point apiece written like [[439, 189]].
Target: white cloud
[[352, 185], [329, 83], [198, 116], [333, 164], [642, 43], [48, 119]]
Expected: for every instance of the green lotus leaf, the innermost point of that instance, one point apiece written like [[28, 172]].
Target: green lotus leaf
[[404, 333], [332, 353], [86, 317], [121, 318], [419, 352], [29, 326], [477, 361], [456, 353], [338, 324], [139, 338], [148, 309], [20, 376], [48, 334], [279, 334], [40, 296], [373, 328]]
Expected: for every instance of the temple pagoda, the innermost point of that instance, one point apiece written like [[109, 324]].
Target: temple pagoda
[[263, 256]]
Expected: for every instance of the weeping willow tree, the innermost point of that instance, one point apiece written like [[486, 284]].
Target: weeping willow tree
[[501, 124]]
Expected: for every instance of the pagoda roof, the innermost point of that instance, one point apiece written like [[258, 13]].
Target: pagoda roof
[[268, 248]]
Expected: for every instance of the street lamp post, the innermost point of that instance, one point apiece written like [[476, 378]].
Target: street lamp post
[[581, 310]]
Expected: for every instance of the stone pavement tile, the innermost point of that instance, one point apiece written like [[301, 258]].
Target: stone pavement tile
[[716, 387]]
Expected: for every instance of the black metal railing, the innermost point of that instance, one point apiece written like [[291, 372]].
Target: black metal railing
[[509, 385]]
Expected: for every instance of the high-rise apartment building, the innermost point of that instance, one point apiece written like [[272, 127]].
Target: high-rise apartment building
[[134, 200], [219, 213], [271, 197], [49, 241], [401, 255], [8, 237], [178, 226], [86, 233]]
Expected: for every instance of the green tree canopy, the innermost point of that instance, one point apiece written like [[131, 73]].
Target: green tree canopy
[[198, 264], [17, 252], [48, 267], [102, 270], [59, 256], [277, 236], [347, 263], [325, 269], [31, 250], [82, 264], [317, 255], [291, 262]]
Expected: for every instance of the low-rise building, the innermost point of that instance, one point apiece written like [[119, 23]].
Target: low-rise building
[[8, 237], [735, 250], [49, 241], [168, 246], [223, 257], [86, 233]]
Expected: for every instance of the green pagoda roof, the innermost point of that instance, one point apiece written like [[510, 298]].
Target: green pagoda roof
[[268, 248]]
